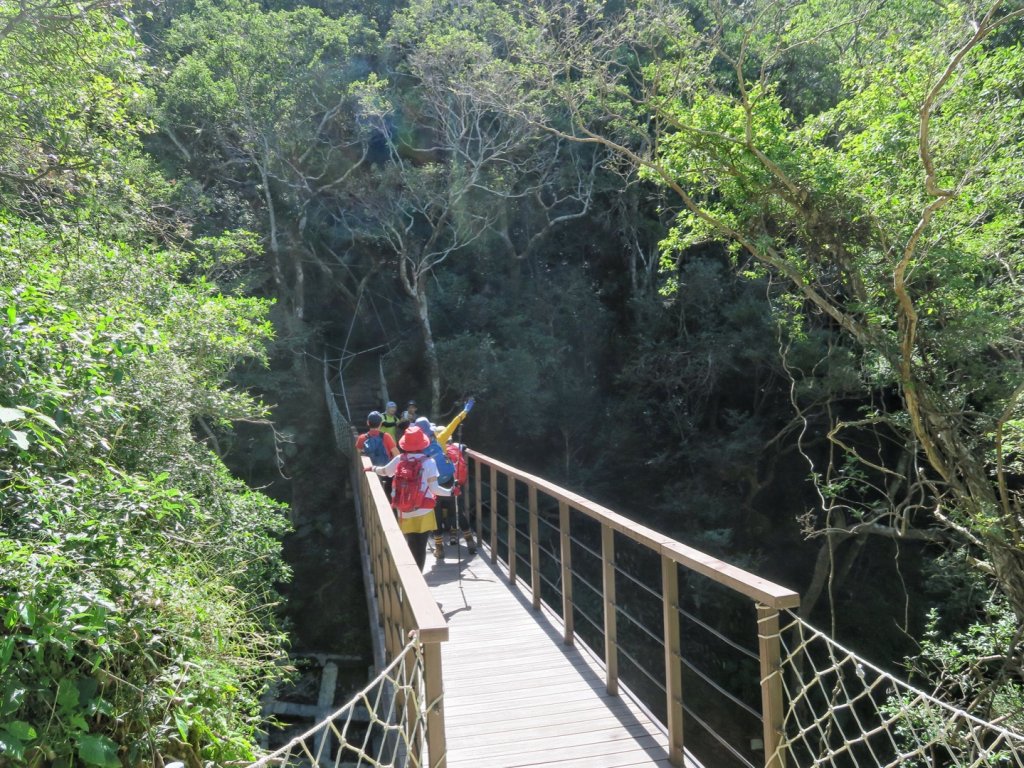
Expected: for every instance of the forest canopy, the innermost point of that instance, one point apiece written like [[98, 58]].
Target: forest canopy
[[751, 272]]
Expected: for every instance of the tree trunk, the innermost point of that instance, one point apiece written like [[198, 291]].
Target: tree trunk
[[429, 348], [1008, 563], [823, 566]]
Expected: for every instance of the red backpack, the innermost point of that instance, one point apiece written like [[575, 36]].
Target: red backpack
[[407, 491], [454, 452]]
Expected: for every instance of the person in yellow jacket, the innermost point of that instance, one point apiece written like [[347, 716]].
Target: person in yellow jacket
[[445, 434], [446, 508]]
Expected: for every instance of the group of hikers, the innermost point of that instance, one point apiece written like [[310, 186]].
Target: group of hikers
[[425, 472]]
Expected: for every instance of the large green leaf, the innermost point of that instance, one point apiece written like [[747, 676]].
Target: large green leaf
[[67, 693], [10, 414], [20, 730], [95, 749]]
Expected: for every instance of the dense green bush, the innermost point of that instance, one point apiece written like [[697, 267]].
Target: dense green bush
[[137, 603], [136, 577]]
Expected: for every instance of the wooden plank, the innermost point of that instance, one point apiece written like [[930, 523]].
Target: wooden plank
[[552, 745], [516, 696], [501, 678], [610, 761], [568, 689], [524, 730], [533, 709], [537, 752], [529, 753], [486, 663], [517, 667]]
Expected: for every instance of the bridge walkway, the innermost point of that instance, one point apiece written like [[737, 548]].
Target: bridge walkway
[[475, 673], [515, 694]]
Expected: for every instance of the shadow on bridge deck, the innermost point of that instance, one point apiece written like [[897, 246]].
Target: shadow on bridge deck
[[515, 695]]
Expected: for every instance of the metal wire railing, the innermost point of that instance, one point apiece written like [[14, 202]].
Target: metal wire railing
[[820, 704], [571, 559]]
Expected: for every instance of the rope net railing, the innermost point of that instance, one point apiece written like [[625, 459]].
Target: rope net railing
[[382, 726], [843, 711]]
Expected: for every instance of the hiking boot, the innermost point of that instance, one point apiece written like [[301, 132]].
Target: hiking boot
[[470, 544], [453, 539], [438, 553]]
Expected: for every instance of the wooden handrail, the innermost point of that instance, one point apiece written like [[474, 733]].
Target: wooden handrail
[[767, 598], [748, 584], [403, 602], [427, 618], [405, 606]]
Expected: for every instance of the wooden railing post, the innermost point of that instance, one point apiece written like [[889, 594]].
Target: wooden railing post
[[673, 658], [511, 529], [494, 514], [534, 546], [611, 643], [772, 712], [478, 483], [392, 624], [566, 552], [415, 725], [433, 689]]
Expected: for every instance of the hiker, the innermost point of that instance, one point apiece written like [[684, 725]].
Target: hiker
[[377, 444], [447, 517], [444, 435], [389, 424], [455, 454], [415, 490], [409, 415]]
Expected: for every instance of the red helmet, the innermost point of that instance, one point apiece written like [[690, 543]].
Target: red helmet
[[413, 440]]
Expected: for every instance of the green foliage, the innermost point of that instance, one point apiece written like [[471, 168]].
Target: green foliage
[[859, 163], [131, 559], [534, 361], [72, 102], [974, 668], [269, 72], [700, 390], [133, 565], [137, 577]]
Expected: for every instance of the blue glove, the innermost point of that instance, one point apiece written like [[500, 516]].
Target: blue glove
[[469, 405]]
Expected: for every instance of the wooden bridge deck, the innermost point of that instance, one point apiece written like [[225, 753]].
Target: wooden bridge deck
[[515, 695]]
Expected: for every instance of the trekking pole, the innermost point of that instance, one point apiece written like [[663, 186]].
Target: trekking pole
[[458, 546], [462, 452]]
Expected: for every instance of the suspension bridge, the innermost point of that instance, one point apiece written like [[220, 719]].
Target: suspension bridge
[[578, 637]]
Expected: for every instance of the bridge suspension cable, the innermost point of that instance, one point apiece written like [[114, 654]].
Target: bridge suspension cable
[[843, 711]]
